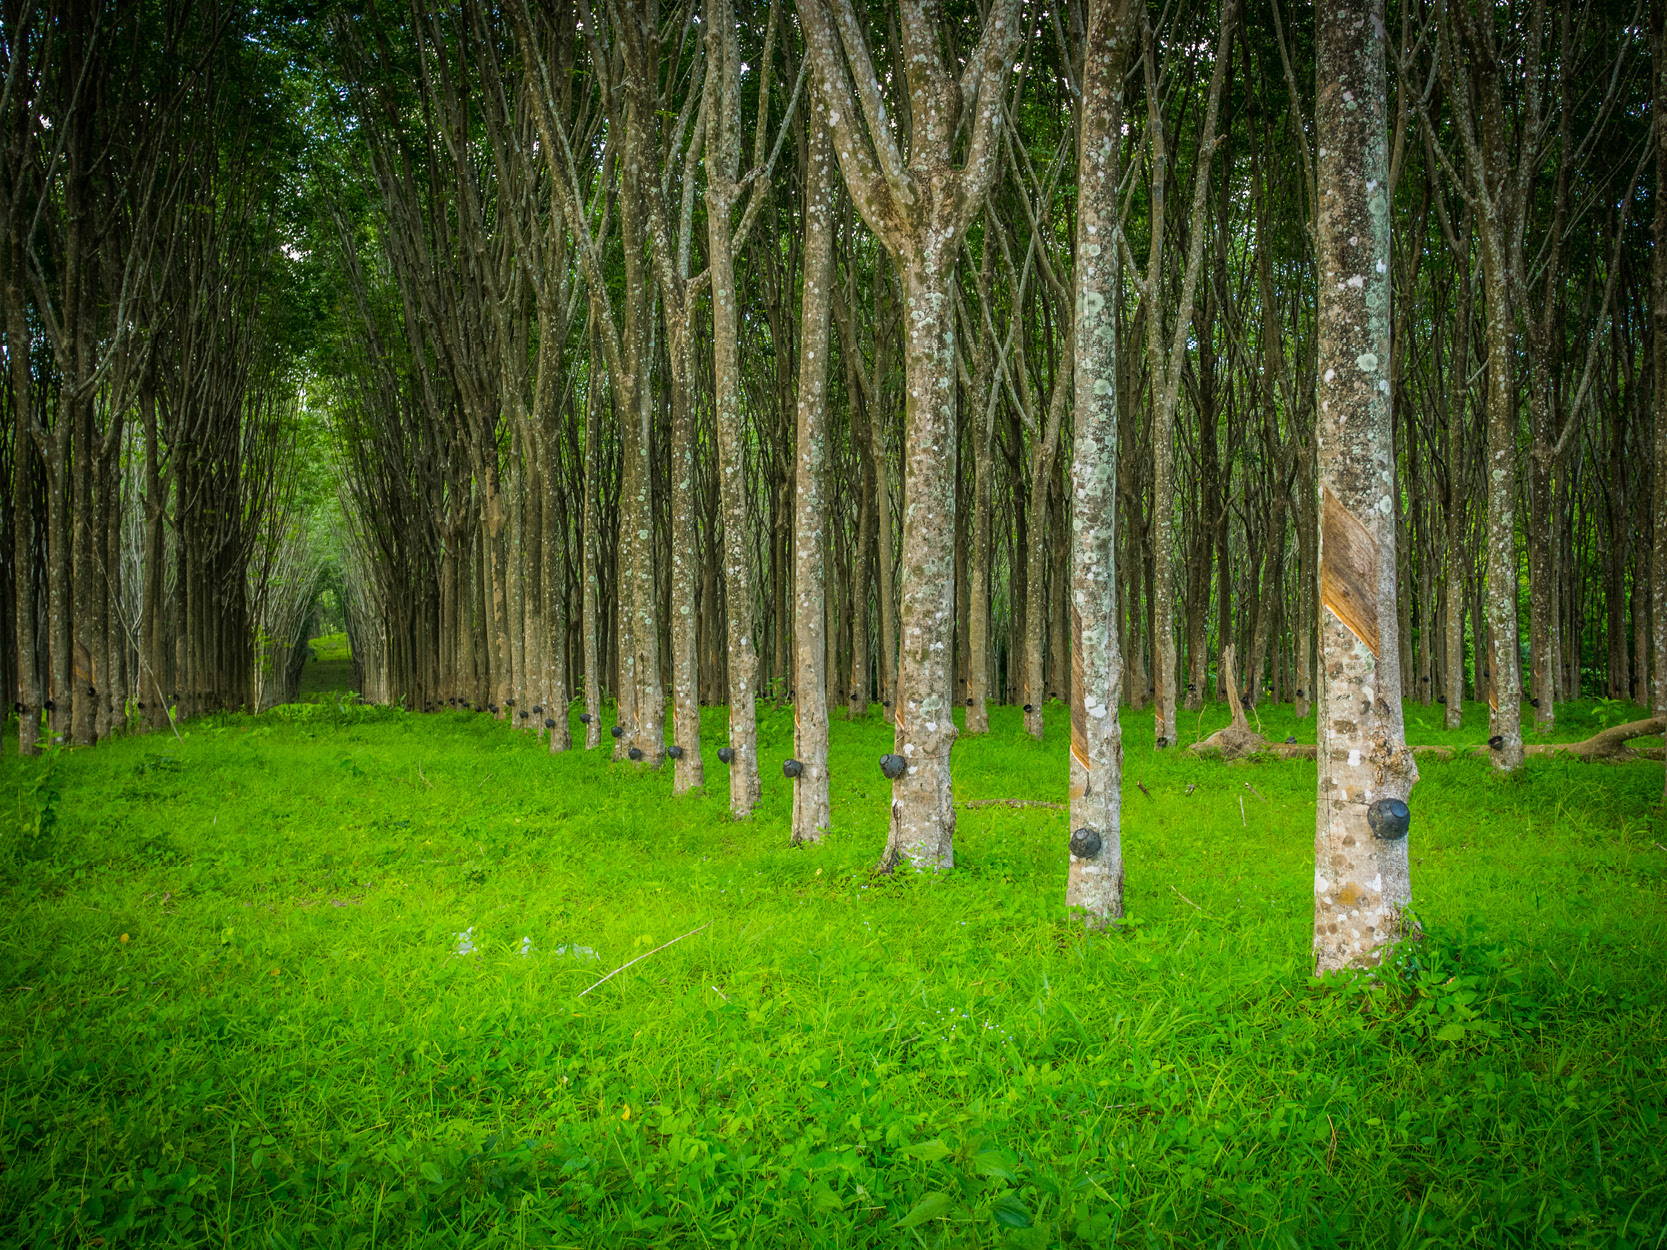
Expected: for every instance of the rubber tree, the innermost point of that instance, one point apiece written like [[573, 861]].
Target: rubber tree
[[1095, 883], [810, 513], [671, 237], [919, 204], [723, 190], [1166, 346], [1659, 346], [1361, 883], [1498, 192]]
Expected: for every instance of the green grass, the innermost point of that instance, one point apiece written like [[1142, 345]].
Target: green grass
[[330, 670], [331, 648], [235, 1013]]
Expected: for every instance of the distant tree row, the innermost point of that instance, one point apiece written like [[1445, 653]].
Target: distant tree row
[[152, 563]]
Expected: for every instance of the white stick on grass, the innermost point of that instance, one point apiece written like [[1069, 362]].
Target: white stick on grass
[[622, 967]]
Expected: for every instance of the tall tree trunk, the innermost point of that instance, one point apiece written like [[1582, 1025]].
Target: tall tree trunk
[[920, 210], [1498, 191], [557, 607], [59, 574], [1542, 632], [108, 579], [641, 691], [1362, 887], [1166, 350], [1453, 623], [24, 519], [589, 564], [922, 805], [862, 554], [882, 640], [980, 554], [810, 514], [1505, 692], [1095, 880], [1037, 551], [689, 770], [83, 529], [1658, 567], [722, 158]]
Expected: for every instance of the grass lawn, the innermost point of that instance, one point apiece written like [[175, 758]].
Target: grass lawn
[[313, 979], [329, 672]]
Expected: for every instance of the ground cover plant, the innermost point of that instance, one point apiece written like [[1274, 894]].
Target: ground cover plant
[[313, 978]]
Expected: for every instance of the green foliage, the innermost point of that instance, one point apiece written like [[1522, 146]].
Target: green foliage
[[1439, 989], [236, 1011]]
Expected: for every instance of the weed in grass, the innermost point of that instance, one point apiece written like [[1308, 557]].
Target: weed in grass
[[312, 979]]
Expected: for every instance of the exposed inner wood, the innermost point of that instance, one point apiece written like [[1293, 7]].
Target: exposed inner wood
[[1348, 570], [1079, 702]]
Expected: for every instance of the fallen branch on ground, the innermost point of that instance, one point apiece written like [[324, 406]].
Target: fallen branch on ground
[[622, 967], [1607, 745]]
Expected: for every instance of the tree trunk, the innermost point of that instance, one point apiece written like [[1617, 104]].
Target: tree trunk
[[862, 554], [883, 642], [979, 555], [557, 606], [722, 155], [1362, 886], [1542, 636], [1095, 880], [1165, 356], [1505, 692], [590, 574], [1658, 565], [59, 571], [922, 806], [920, 211], [86, 594], [1307, 569], [24, 518], [1037, 551], [689, 770], [810, 515]]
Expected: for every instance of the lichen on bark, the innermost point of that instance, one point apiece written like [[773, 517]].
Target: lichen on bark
[[1095, 875], [1361, 884]]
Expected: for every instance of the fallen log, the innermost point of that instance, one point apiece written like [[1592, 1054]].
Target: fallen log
[[1607, 746]]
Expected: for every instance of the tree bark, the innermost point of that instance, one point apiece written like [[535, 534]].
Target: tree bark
[[980, 554], [722, 157], [24, 522], [811, 817], [590, 557], [1038, 549], [1166, 349], [1362, 886], [1095, 878], [1658, 566], [1504, 686]]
